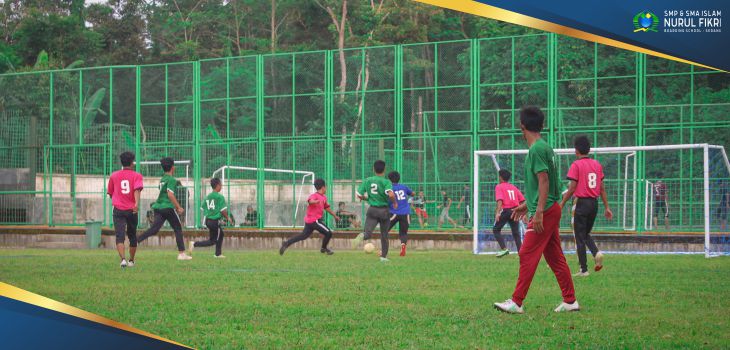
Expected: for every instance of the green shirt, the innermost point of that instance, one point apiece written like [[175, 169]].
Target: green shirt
[[167, 183], [213, 205], [377, 188], [541, 158]]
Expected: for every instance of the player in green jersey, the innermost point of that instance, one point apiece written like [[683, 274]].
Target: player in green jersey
[[377, 190], [214, 208]]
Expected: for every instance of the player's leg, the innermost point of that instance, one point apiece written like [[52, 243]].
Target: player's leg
[[393, 221], [405, 223], [657, 209], [497, 231], [306, 232], [666, 215], [580, 228], [132, 221], [219, 242], [467, 215], [120, 228], [556, 260], [384, 221], [530, 254], [174, 221], [154, 228], [212, 226], [590, 242], [370, 222], [515, 228], [327, 236]]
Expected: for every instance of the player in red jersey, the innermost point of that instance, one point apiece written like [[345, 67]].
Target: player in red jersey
[[317, 204], [124, 188], [586, 183], [508, 197]]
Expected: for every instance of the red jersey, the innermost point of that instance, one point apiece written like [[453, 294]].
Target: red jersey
[[509, 194], [121, 187], [315, 211], [588, 174]]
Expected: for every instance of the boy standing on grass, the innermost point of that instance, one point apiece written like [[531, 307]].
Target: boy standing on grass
[[542, 185], [400, 210], [508, 198], [167, 208], [313, 219], [445, 206], [214, 208], [124, 188], [377, 190], [586, 182]]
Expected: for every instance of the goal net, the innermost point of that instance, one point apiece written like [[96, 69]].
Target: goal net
[[665, 199], [152, 173], [284, 196]]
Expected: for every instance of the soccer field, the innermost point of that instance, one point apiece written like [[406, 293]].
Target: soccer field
[[437, 299]]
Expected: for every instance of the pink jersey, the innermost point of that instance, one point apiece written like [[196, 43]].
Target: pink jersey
[[510, 195], [122, 185], [315, 211], [588, 174]]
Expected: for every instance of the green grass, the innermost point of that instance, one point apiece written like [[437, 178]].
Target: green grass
[[350, 300]]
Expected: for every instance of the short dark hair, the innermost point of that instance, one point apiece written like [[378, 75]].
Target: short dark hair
[[214, 182], [340, 204], [319, 183], [532, 118], [167, 163], [127, 158], [505, 174], [394, 177], [379, 166], [582, 144]]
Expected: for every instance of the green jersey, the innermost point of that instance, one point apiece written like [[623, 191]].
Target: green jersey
[[167, 184], [541, 158], [376, 188], [213, 205]]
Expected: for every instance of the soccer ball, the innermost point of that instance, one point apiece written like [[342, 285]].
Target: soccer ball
[[368, 248]]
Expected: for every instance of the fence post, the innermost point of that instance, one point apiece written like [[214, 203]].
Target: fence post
[[260, 159]]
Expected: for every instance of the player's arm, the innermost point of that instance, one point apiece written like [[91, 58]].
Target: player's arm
[[498, 212], [460, 201], [110, 187], [329, 210], [604, 197], [174, 201], [543, 187], [569, 193], [137, 195], [360, 193], [391, 197]]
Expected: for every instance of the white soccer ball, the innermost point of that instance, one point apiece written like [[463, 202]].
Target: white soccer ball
[[368, 248]]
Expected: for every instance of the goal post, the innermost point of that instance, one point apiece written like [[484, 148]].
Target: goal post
[[694, 178], [284, 193]]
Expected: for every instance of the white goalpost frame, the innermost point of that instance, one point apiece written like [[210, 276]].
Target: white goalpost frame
[[305, 174], [187, 164], [631, 151]]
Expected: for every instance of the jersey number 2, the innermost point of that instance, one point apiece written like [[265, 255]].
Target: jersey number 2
[[374, 188]]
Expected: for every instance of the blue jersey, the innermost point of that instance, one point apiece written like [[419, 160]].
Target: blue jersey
[[401, 192]]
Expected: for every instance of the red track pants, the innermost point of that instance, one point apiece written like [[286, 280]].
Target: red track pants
[[547, 243]]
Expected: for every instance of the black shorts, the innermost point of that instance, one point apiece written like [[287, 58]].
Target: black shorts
[[125, 222], [661, 205]]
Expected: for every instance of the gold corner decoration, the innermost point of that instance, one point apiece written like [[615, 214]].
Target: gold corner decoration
[[15, 293], [480, 9]]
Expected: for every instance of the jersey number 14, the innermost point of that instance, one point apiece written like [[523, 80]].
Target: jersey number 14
[[210, 203]]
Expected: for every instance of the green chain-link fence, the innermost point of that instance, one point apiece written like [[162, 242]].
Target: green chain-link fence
[[424, 108]]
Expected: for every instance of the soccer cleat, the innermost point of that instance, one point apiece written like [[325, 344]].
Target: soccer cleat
[[130, 263], [403, 249], [326, 251], [219, 256], [599, 261], [357, 240], [283, 248], [581, 274], [123, 264], [183, 256], [190, 247], [502, 253], [384, 260], [565, 307], [509, 307]]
